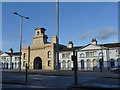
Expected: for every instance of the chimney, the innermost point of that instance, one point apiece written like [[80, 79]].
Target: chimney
[[54, 39], [10, 50], [70, 44], [94, 41]]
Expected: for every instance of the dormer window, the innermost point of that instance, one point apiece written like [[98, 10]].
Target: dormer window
[[38, 33]]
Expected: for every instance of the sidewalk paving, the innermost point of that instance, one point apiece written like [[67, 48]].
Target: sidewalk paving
[[38, 79]]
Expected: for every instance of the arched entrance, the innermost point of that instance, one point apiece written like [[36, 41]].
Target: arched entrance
[[82, 64], [94, 64], [101, 64], [37, 63]]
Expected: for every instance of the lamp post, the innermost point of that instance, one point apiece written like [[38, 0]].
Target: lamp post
[[57, 7], [20, 37]]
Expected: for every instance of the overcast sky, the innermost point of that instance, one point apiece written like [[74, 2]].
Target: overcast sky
[[79, 22]]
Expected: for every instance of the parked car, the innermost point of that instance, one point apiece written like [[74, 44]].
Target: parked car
[[115, 69]]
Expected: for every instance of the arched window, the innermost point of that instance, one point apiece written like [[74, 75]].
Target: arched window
[[82, 55], [69, 64], [24, 56], [37, 32], [49, 54], [63, 55], [64, 63], [94, 63], [88, 64]]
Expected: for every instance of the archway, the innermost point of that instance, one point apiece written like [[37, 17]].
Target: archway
[[37, 63], [7, 65], [82, 64], [101, 64], [94, 64]]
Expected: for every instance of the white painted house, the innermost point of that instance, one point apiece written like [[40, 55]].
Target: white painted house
[[65, 56], [9, 60], [92, 56]]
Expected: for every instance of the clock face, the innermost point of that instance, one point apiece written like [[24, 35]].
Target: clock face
[[37, 42]]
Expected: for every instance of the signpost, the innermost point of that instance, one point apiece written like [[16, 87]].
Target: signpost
[[74, 59]]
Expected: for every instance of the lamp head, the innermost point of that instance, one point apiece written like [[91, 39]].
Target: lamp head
[[27, 17], [15, 13]]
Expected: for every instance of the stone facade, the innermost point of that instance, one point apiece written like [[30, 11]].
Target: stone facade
[[41, 55]]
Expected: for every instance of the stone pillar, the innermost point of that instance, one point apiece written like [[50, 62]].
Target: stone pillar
[[85, 65], [91, 64], [66, 65]]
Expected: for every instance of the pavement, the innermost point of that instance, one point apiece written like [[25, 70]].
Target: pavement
[[12, 79]]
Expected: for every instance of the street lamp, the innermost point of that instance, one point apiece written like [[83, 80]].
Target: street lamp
[[20, 36], [57, 7]]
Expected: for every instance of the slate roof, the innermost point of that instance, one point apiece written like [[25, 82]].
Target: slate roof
[[70, 49], [110, 45]]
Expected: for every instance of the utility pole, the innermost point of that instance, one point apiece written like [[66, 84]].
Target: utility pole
[[57, 7]]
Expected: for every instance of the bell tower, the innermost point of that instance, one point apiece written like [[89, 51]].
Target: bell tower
[[39, 39]]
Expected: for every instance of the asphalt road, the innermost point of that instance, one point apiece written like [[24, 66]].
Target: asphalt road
[[50, 79]]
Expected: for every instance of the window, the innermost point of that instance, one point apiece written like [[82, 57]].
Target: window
[[24, 63], [49, 54], [64, 63], [15, 58], [88, 54], [68, 55], [49, 63], [63, 55], [37, 32], [3, 58], [37, 42], [69, 64], [94, 63], [24, 56], [94, 53], [88, 63]]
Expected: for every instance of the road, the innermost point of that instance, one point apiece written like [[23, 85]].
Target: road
[[49, 79]]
